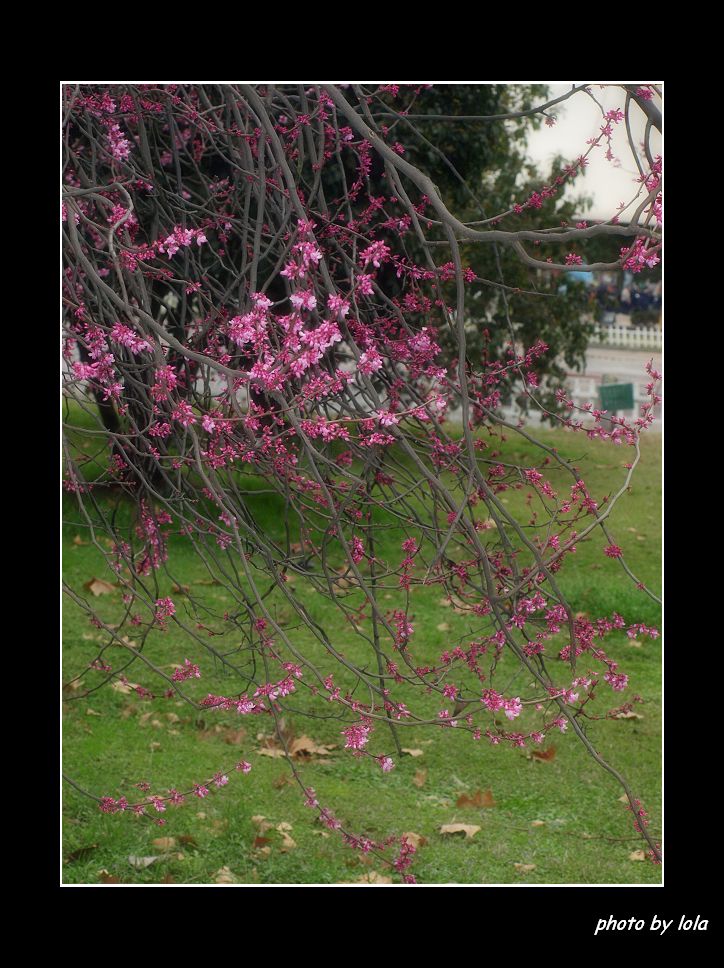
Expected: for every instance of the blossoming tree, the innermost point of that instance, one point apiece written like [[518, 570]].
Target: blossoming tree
[[226, 316]]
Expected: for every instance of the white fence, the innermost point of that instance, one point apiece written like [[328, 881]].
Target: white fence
[[628, 337]]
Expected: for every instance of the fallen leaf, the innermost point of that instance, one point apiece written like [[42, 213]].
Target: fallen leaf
[[164, 843], [260, 842], [623, 798], [419, 778], [627, 715], [372, 877], [304, 747], [634, 643], [261, 823], [232, 737], [78, 541], [544, 755], [281, 781], [180, 589], [417, 840], [97, 586], [207, 581], [637, 855], [82, 853], [288, 842], [481, 798], [168, 878], [108, 878], [443, 627], [524, 868], [125, 688], [274, 753], [459, 828], [92, 712], [537, 823], [224, 876], [187, 840], [412, 752], [140, 863]]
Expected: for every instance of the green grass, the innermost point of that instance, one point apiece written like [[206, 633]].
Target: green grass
[[586, 836]]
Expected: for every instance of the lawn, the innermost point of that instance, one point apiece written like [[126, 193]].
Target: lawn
[[555, 821]]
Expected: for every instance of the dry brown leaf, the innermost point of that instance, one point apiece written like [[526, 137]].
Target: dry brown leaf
[[419, 778], [78, 541], [97, 586], [125, 688], [372, 877], [637, 855], [305, 747], [274, 753], [92, 712], [281, 781], [443, 627], [164, 843], [259, 842], [261, 823], [82, 853], [524, 868], [537, 823], [207, 581], [412, 752], [417, 840], [108, 878], [232, 737], [481, 798], [179, 589], [225, 876], [627, 715], [459, 828], [623, 798], [288, 842], [634, 643], [545, 756]]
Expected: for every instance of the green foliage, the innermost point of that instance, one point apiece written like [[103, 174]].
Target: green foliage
[[117, 744]]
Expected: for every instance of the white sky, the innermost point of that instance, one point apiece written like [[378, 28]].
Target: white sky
[[579, 119]]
